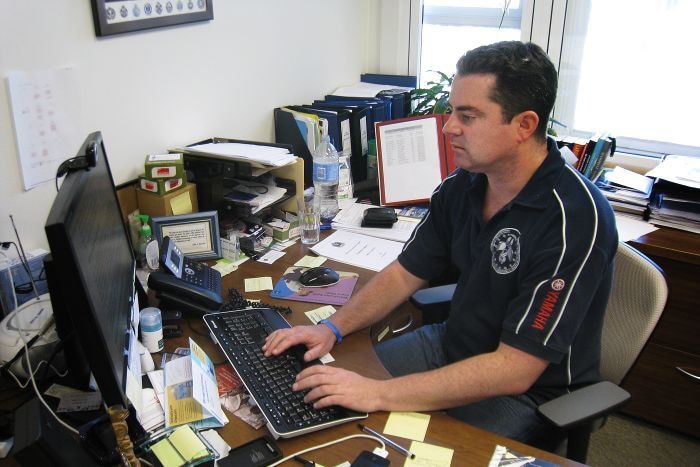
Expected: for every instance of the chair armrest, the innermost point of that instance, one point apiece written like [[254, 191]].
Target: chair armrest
[[583, 405], [433, 295]]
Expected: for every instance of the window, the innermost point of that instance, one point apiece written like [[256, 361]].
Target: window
[[629, 67], [451, 27]]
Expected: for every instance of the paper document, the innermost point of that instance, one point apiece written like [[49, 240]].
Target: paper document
[[410, 156], [684, 170], [365, 89], [191, 393], [627, 178], [359, 250], [350, 219], [268, 155]]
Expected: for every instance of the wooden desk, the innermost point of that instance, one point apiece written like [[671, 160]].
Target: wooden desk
[[472, 446], [661, 392]]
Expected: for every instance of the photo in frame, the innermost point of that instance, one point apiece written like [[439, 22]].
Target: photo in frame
[[120, 16], [196, 235]]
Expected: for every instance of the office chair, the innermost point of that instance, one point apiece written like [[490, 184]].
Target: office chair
[[637, 299]]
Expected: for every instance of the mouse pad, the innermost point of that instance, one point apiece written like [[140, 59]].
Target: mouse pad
[[289, 287]]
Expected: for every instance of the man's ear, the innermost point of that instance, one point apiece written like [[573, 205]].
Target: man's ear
[[527, 124]]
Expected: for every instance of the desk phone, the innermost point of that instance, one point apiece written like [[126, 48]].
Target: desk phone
[[192, 285]]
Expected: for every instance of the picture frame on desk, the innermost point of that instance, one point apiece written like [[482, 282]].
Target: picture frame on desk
[[197, 234], [120, 16]]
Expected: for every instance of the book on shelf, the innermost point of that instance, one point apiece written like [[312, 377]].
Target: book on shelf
[[592, 153]]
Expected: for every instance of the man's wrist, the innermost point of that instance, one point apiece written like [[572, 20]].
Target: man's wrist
[[332, 327]]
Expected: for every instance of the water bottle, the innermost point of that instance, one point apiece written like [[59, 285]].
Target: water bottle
[[325, 175]]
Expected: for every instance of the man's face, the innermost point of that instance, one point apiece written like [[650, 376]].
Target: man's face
[[482, 142]]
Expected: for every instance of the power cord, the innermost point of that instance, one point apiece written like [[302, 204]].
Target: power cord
[[325, 445], [29, 363], [71, 165]]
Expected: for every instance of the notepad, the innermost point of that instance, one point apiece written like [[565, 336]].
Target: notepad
[[180, 447]]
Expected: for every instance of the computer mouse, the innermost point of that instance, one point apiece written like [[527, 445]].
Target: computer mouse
[[318, 277]]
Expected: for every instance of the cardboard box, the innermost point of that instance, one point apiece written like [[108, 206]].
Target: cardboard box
[[184, 200], [284, 226], [164, 166], [161, 186]]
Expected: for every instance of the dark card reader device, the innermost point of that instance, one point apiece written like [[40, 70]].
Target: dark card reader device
[[379, 217]]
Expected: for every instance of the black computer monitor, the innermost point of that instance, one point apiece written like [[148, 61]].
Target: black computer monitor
[[92, 271]]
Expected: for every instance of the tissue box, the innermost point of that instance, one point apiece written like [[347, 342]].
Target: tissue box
[[282, 228], [164, 166]]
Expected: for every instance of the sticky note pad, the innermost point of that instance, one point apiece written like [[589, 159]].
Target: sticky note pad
[[167, 454], [310, 261], [411, 425], [429, 454], [187, 443], [255, 284], [181, 204]]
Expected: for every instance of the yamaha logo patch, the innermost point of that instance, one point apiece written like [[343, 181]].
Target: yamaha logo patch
[[505, 251]]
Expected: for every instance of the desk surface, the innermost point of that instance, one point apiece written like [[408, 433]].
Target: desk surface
[[471, 446]]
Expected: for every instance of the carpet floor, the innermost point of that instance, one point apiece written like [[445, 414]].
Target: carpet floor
[[626, 441]]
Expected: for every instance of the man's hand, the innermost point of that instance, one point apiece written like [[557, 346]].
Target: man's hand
[[336, 386], [318, 340]]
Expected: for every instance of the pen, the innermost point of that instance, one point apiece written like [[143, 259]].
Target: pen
[[325, 227], [394, 445]]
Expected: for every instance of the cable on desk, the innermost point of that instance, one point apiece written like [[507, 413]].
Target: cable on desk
[[237, 302], [325, 445]]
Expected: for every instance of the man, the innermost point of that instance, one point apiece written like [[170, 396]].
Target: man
[[533, 242]]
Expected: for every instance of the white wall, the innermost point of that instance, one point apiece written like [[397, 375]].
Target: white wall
[[151, 90]]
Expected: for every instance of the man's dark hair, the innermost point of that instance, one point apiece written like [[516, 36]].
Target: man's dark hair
[[525, 78]]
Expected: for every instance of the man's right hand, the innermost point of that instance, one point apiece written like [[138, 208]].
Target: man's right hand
[[318, 340]]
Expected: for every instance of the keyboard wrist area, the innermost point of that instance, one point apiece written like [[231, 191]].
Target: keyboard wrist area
[[332, 327]]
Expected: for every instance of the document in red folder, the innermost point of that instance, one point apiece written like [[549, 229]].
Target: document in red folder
[[413, 157]]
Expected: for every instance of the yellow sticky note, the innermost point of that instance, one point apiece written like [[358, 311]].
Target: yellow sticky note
[[317, 314], [429, 454], [254, 284], [181, 204], [411, 425], [310, 261], [167, 454], [187, 443]]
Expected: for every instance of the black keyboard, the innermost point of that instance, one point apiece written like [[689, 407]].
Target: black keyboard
[[241, 334]]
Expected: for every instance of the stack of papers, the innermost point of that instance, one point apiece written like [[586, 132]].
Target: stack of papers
[[683, 170], [626, 191], [677, 203], [363, 89], [266, 155], [358, 250], [350, 219]]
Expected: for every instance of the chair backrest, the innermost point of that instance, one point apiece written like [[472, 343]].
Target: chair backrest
[[637, 299]]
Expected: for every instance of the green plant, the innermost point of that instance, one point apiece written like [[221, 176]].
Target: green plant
[[432, 99]]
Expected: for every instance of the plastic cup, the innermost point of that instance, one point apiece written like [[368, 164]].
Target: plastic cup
[[309, 220]]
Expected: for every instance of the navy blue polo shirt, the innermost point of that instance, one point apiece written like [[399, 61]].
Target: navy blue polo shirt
[[536, 276]]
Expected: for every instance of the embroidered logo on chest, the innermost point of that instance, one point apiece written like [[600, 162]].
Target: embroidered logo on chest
[[505, 251]]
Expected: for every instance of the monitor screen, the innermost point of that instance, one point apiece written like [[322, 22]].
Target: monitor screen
[[94, 268]]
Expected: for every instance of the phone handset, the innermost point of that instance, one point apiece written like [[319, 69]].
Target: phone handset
[[190, 284]]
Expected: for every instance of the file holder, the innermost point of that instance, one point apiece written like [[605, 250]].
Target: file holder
[[214, 176], [146, 448]]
